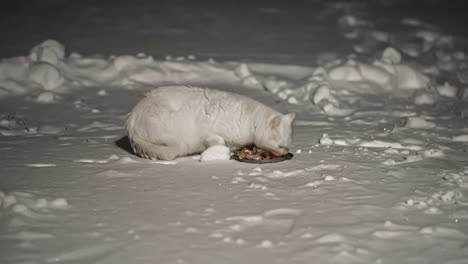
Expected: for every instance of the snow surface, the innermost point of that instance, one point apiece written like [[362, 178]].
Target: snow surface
[[380, 141]]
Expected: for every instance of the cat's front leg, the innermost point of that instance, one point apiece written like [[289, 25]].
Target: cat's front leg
[[213, 141]]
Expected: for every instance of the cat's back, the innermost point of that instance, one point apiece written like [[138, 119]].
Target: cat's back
[[174, 93], [177, 97], [183, 93], [170, 98]]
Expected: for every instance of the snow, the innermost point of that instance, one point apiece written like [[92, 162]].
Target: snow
[[47, 98], [50, 51], [424, 99], [447, 90], [379, 173], [419, 123], [460, 138]]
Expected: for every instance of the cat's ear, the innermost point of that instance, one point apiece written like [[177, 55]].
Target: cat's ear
[[275, 121], [288, 118]]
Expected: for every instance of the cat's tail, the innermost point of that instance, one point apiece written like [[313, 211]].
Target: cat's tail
[[150, 150]]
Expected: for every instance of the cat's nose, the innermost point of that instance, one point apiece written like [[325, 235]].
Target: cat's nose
[[281, 151]]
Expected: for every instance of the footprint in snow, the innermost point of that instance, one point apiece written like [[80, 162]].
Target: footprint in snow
[[112, 174], [89, 253], [433, 203], [23, 204], [40, 165], [459, 178], [23, 216], [102, 161], [263, 230], [96, 125]]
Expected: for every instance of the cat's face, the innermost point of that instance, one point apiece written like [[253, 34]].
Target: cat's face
[[277, 135]]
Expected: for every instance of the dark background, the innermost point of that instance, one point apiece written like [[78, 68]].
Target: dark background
[[207, 28]]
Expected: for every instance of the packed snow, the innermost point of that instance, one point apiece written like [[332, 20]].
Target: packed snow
[[380, 143]]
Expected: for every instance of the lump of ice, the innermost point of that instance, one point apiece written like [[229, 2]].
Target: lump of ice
[[445, 41], [49, 51], [51, 129], [427, 35], [252, 82], [101, 92], [459, 55], [410, 79], [419, 123], [387, 72], [405, 76], [59, 203], [424, 99], [332, 110], [352, 21], [374, 74], [447, 90], [391, 56], [345, 73], [265, 244], [380, 35], [126, 61], [216, 152], [323, 92], [414, 50], [412, 22], [460, 138], [242, 71], [433, 153], [293, 100], [325, 140], [272, 85], [46, 98], [446, 62], [46, 75]]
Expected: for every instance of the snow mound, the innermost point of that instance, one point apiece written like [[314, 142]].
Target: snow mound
[[40, 70], [325, 140], [49, 51], [424, 99], [460, 138], [217, 152], [29, 205], [130, 71], [51, 129], [47, 68], [447, 90], [388, 72], [419, 123], [248, 80], [46, 98], [46, 75], [337, 86]]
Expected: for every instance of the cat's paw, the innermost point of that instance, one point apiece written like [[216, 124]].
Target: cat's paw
[[214, 141]]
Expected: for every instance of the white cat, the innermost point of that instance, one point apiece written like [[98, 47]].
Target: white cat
[[173, 121]]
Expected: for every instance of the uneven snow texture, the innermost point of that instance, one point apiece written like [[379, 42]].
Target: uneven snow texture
[[379, 173]]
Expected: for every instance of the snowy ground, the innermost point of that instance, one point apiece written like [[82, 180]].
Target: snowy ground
[[380, 172]]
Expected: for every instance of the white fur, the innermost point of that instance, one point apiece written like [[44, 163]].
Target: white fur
[[216, 152], [175, 121]]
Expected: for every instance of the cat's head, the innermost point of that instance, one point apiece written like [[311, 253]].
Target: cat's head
[[276, 134]]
